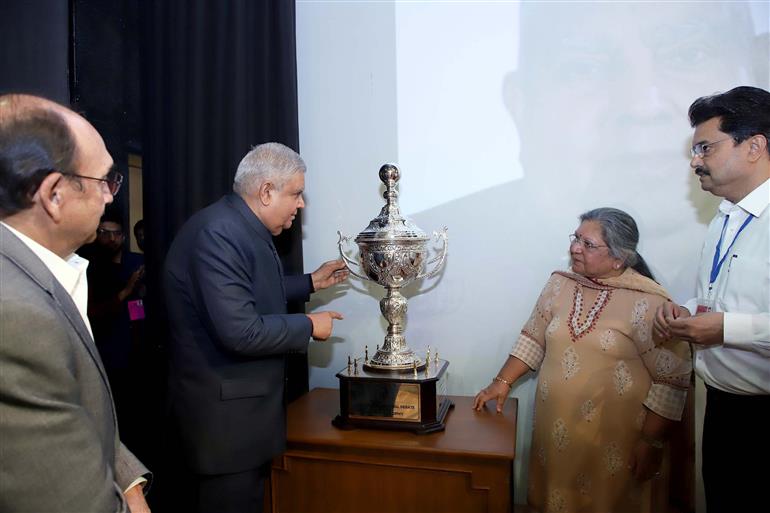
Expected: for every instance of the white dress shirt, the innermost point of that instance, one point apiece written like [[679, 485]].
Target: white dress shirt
[[70, 273], [742, 291]]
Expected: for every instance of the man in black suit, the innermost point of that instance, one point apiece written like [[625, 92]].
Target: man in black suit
[[226, 296]]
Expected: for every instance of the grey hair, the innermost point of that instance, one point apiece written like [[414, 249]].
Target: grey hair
[[621, 235], [269, 162]]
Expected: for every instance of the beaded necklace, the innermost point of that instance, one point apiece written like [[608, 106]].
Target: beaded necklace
[[578, 329]]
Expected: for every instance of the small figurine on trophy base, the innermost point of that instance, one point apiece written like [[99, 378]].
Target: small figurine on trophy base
[[409, 401]]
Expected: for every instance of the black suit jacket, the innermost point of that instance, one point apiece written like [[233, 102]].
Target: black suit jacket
[[226, 297]]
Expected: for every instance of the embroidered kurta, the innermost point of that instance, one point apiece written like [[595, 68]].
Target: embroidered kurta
[[599, 371]]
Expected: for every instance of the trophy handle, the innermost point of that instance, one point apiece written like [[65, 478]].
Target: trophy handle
[[348, 261], [438, 258]]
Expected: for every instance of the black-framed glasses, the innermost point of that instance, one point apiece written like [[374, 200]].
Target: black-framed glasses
[[574, 238], [703, 149], [113, 182]]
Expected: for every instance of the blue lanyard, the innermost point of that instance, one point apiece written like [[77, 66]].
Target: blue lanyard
[[716, 264]]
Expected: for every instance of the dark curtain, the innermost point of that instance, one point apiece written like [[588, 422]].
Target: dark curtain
[[102, 74], [34, 48]]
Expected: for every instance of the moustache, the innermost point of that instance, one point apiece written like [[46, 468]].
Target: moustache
[[700, 171]]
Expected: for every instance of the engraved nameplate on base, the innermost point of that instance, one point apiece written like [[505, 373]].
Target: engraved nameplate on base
[[413, 401]]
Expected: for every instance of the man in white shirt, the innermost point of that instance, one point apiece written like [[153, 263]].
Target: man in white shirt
[[58, 433], [728, 322]]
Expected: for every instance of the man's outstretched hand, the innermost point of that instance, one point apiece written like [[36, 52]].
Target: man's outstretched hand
[[322, 323], [330, 273]]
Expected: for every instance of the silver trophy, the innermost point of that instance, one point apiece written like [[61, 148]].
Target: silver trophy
[[393, 253]]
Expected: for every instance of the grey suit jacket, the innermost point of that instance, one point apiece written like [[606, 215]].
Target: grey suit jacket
[[59, 446]]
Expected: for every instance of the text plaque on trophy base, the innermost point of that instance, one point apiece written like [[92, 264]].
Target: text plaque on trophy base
[[394, 400]]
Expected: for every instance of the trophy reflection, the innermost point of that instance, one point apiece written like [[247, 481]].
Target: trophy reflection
[[390, 392]]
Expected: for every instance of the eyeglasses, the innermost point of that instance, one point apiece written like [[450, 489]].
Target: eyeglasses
[[574, 238], [112, 184], [702, 150]]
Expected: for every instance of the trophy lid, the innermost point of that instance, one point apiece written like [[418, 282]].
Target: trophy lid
[[390, 225]]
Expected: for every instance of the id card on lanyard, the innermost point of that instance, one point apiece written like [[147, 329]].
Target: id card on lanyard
[[708, 303]]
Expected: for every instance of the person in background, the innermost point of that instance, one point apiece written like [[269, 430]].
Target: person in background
[[226, 297], [116, 311], [728, 322], [607, 392], [139, 234], [59, 435]]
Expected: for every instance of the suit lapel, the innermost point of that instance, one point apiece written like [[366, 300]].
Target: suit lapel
[[23, 257], [240, 206]]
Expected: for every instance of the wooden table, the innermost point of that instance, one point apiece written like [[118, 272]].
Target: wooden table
[[467, 468]]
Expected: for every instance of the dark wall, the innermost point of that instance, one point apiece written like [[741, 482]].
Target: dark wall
[[34, 48]]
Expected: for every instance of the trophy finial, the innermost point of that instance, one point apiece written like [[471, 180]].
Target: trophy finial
[[389, 174]]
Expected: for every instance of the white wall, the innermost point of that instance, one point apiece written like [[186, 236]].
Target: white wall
[[508, 120]]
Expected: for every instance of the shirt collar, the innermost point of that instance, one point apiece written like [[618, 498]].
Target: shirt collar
[[68, 271], [754, 203]]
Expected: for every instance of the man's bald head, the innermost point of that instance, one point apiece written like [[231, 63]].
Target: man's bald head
[[35, 140]]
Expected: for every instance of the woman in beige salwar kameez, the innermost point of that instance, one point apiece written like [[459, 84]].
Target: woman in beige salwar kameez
[[606, 391]]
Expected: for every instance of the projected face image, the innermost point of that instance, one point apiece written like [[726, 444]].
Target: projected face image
[[600, 97]]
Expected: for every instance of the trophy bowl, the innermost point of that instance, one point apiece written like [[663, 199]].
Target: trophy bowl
[[389, 264]]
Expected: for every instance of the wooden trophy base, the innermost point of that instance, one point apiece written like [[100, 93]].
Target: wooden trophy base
[[394, 400]]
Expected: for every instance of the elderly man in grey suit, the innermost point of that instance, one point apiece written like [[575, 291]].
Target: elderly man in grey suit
[[58, 433]]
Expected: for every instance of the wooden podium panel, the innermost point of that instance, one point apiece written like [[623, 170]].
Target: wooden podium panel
[[467, 468]]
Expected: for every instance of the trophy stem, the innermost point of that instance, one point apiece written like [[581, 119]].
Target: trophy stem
[[394, 353], [393, 307]]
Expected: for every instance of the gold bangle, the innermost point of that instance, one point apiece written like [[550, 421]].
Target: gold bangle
[[503, 380]]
